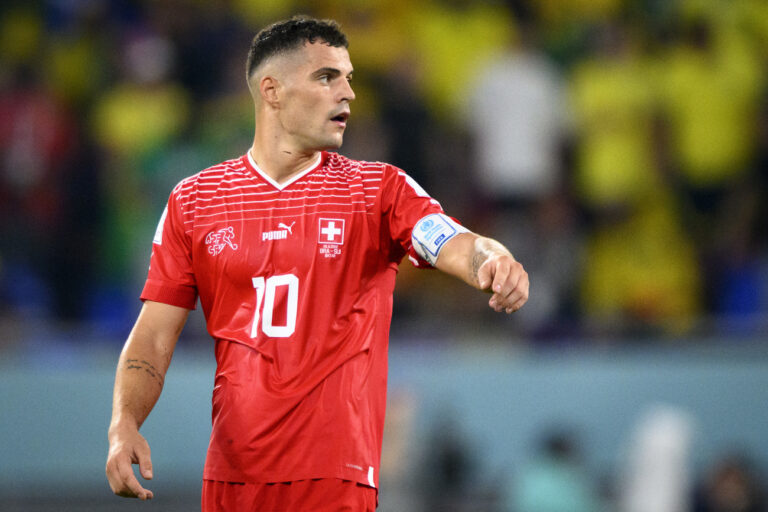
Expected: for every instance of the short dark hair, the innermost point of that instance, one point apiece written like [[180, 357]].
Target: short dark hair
[[290, 34]]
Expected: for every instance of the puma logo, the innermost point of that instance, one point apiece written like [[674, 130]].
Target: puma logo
[[287, 227], [280, 234]]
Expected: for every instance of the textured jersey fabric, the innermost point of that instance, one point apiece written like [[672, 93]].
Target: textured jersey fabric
[[296, 283]]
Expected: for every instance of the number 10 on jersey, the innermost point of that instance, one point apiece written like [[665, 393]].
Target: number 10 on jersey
[[265, 293]]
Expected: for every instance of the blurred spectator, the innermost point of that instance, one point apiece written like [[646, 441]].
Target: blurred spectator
[[448, 471], [49, 173], [516, 117], [452, 39], [655, 227], [78, 63], [377, 31], [133, 120], [554, 482], [640, 269], [145, 109], [613, 107], [200, 39], [731, 485], [657, 472], [735, 249], [37, 140], [710, 84], [738, 274], [409, 124], [641, 276]]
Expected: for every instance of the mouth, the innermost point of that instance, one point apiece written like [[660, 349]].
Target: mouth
[[341, 118]]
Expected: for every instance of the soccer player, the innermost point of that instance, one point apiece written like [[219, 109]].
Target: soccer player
[[292, 251]]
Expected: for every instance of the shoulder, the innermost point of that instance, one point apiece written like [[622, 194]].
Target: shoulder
[[342, 163], [366, 170]]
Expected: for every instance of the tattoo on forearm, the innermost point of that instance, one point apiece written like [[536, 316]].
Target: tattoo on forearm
[[484, 249], [477, 261], [140, 364]]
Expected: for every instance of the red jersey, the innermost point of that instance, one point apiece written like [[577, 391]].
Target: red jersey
[[296, 283]]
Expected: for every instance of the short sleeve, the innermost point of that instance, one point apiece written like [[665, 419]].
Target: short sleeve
[[404, 203], [171, 277]]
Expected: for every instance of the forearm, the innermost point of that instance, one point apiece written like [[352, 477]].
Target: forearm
[[143, 364], [487, 265], [138, 383]]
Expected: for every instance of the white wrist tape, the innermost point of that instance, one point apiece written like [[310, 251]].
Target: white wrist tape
[[430, 234]]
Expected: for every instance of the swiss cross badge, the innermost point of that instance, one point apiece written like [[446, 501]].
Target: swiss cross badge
[[330, 236], [219, 239]]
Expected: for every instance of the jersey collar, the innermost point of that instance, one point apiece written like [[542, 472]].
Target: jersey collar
[[280, 186]]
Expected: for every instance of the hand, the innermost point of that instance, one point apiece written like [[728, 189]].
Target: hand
[[506, 279], [127, 447]]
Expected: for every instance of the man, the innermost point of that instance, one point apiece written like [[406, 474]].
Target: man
[[293, 252]]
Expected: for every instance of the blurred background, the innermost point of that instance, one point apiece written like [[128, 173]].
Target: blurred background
[[619, 148]]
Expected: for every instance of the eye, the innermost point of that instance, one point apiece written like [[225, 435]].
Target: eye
[[324, 79]]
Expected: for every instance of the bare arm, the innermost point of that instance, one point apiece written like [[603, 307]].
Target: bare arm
[[487, 265], [138, 382]]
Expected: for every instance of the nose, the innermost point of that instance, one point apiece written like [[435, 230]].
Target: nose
[[347, 93]]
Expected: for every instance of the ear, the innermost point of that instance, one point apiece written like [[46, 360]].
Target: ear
[[269, 89]]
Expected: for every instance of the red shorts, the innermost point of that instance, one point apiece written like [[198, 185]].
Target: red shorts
[[317, 495]]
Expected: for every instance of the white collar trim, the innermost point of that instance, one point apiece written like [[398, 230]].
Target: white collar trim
[[297, 176]]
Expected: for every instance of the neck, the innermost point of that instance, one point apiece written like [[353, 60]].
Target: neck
[[278, 157], [282, 165]]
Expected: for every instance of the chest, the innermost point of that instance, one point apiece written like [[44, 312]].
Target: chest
[[308, 229]]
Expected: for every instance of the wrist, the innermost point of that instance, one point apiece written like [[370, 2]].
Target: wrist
[[121, 425], [489, 248]]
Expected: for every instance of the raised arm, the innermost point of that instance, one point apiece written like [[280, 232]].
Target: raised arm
[[138, 383], [487, 265]]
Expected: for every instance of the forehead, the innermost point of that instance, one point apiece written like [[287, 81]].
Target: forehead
[[313, 56]]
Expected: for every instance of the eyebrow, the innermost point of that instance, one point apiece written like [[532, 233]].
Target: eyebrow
[[333, 72]]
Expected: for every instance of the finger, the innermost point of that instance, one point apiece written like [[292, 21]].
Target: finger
[[145, 460], [114, 463], [520, 297], [507, 292], [130, 486], [485, 275], [497, 303], [501, 276], [516, 294], [516, 305]]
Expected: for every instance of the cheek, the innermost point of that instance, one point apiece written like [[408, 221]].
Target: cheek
[[303, 113], [293, 119]]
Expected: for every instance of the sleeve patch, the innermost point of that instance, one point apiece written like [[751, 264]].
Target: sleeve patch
[[430, 234]]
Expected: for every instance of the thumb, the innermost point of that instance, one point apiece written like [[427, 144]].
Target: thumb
[[145, 462]]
